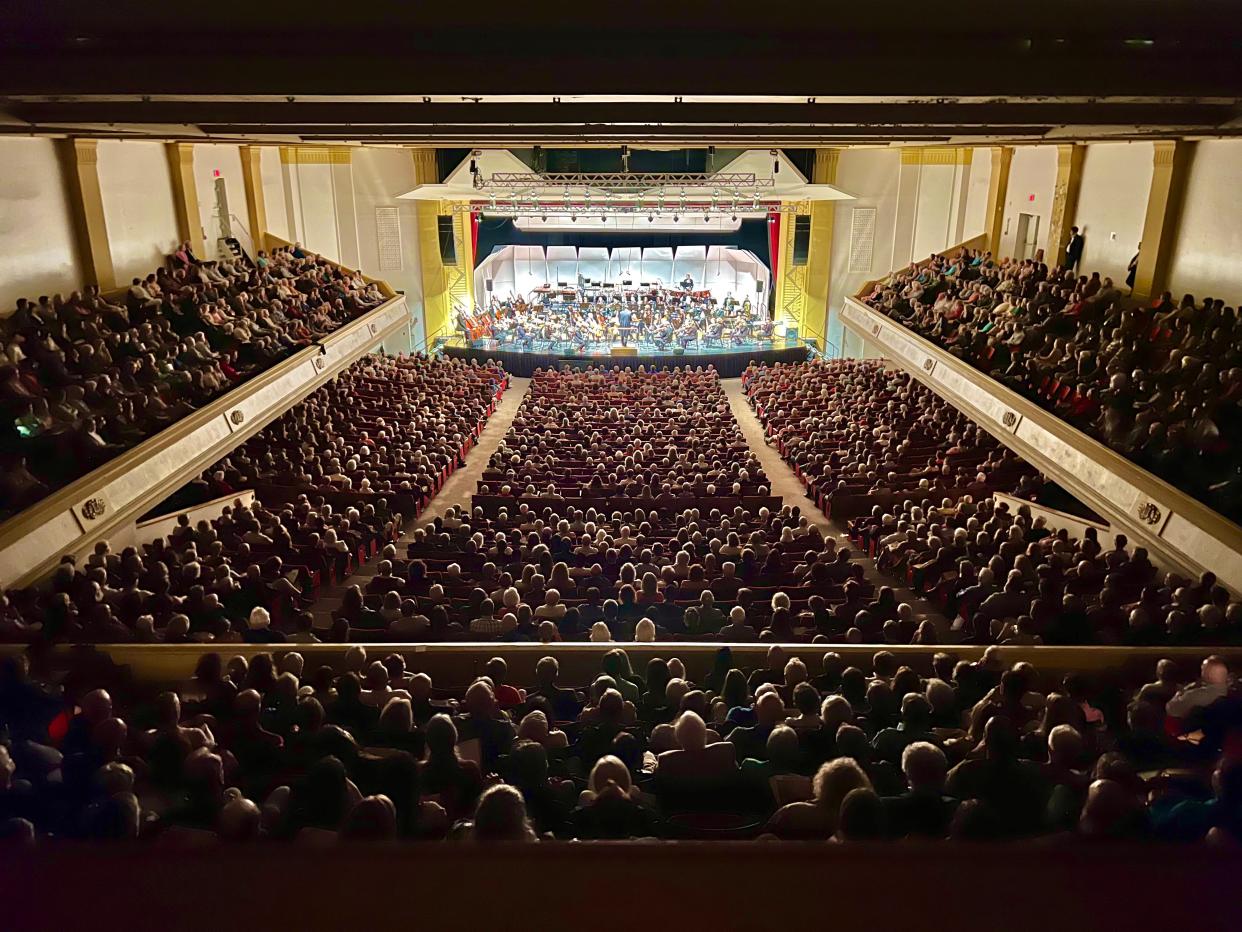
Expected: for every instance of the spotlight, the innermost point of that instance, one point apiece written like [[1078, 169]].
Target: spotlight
[[603, 219], [651, 218], [735, 218], [706, 218], [573, 219], [677, 218], [543, 219]]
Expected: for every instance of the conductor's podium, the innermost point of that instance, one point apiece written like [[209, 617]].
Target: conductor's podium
[[624, 351]]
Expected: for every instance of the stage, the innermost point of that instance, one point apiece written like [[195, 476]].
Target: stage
[[730, 360]]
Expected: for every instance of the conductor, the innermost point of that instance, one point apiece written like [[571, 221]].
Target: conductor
[[625, 321]]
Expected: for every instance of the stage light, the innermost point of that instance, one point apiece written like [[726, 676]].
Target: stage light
[[603, 219], [677, 218], [707, 219], [651, 218], [735, 218], [544, 218], [573, 219]]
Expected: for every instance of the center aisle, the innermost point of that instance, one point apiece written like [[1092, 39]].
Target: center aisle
[[460, 486], [788, 486], [456, 490], [784, 482]]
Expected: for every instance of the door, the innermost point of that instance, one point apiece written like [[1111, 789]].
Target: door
[[1028, 235]]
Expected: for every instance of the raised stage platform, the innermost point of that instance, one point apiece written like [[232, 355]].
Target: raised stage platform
[[730, 361]]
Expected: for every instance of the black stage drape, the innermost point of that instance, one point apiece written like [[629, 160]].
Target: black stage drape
[[502, 231], [729, 365]]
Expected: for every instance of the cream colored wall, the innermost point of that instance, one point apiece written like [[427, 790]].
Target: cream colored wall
[[208, 158], [934, 208], [1112, 203], [1033, 171], [871, 176], [975, 211], [316, 209], [38, 253], [136, 188], [1206, 258], [380, 175]]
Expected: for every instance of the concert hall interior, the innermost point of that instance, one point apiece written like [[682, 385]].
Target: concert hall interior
[[514, 466]]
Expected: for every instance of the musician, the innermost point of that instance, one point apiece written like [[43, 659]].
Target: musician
[[687, 283], [746, 307], [688, 333]]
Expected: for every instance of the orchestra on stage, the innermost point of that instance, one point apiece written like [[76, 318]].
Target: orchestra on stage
[[592, 317]]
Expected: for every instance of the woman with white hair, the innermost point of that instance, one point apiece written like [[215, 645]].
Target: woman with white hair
[[645, 631], [600, 633], [610, 807]]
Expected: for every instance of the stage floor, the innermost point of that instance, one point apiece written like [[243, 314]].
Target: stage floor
[[730, 360]]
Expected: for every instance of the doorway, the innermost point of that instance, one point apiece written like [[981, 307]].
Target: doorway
[[1028, 236]]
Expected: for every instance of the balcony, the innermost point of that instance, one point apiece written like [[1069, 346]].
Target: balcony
[[1179, 531], [114, 496]]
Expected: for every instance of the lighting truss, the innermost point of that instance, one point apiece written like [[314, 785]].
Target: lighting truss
[[531, 208], [624, 182]]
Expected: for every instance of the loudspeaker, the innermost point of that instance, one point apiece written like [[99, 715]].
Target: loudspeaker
[[448, 242], [802, 240], [679, 351], [487, 283], [624, 351], [758, 287]]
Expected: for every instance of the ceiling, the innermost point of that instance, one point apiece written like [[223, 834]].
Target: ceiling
[[782, 73]]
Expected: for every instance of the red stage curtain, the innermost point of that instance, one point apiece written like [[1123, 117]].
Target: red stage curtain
[[774, 243]]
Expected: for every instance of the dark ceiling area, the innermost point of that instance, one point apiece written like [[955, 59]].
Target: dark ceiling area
[[491, 74]]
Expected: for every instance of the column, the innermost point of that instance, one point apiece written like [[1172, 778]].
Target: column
[[256, 209], [906, 215], [81, 160], [342, 169], [437, 319], [291, 186], [185, 195], [815, 308], [998, 190], [1171, 163], [963, 159], [1064, 200]]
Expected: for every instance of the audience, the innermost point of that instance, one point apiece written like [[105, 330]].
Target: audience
[[241, 753], [1160, 383], [386, 434], [86, 377]]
